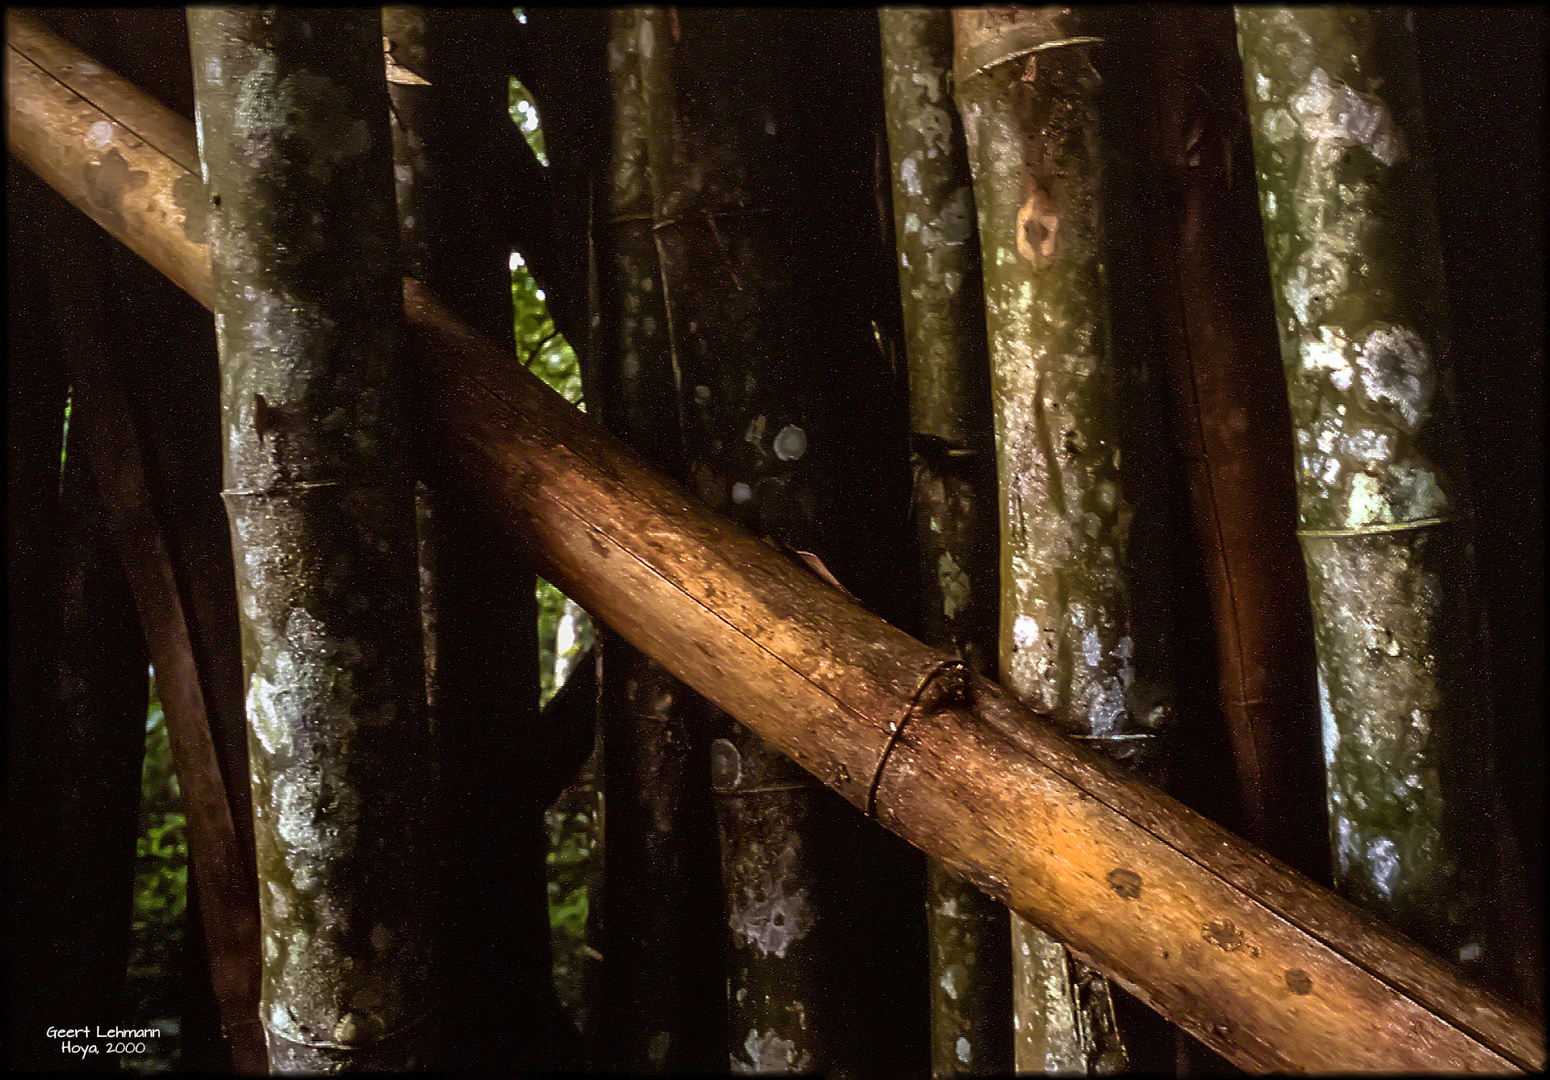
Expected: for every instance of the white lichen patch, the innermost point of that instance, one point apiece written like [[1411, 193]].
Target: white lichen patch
[[279, 904], [771, 913], [1334, 115], [767, 1052], [1383, 865], [790, 443], [962, 1050], [305, 108], [267, 715], [1397, 373], [954, 584], [1368, 446], [1416, 494], [1366, 505], [1025, 632]]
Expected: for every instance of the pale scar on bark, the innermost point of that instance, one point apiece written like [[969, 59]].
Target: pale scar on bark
[[1036, 211]]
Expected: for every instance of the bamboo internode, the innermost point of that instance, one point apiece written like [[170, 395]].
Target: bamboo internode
[[1262, 965]]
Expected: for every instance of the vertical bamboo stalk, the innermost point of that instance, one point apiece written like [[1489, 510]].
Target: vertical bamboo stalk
[[954, 488], [753, 436], [1027, 90], [663, 993], [458, 158], [1350, 229], [296, 151], [1231, 418]]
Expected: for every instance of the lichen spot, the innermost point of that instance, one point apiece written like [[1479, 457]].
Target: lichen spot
[[790, 443], [726, 766], [1297, 981], [1125, 882], [962, 1049], [346, 1029], [768, 1052], [1397, 373], [1025, 632], [741, 492], [1383, 865], [99, 134], [1223, 934], [954, 584]]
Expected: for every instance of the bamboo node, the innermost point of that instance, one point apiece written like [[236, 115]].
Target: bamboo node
[[1373, 530]]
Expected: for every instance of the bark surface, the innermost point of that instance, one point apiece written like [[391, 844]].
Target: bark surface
[[1231, 419], [460, 168], [1251, 958], [1351, 234], [663, 988], [1027, 89], [753, 436], [954, 487], [296, 152]]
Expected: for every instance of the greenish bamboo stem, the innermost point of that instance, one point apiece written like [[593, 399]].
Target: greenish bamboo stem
[[296, 151], [954, 487], [663, 991], [1027, 89], [1350, 229]]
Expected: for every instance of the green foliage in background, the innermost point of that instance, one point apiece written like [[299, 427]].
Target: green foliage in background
[[161, 853], [574, 822], [524, 113], [160, 900]]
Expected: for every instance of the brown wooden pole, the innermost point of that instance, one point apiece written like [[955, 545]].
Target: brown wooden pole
[[1258, 962]]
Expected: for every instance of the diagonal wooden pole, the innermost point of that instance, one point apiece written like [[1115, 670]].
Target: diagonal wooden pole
[[1256, 961]]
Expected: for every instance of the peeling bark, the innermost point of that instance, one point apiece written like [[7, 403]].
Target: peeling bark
[[954, 488], [1350, 229], [296, 151]]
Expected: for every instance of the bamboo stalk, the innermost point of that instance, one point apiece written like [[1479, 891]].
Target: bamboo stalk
[[663, 989], [457, 157], [77, 729], [749, 409], [221, 868], [1027, 88], [1255, 960], [954, 488], [295, 147], [1350, 228], [1231, 418]]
